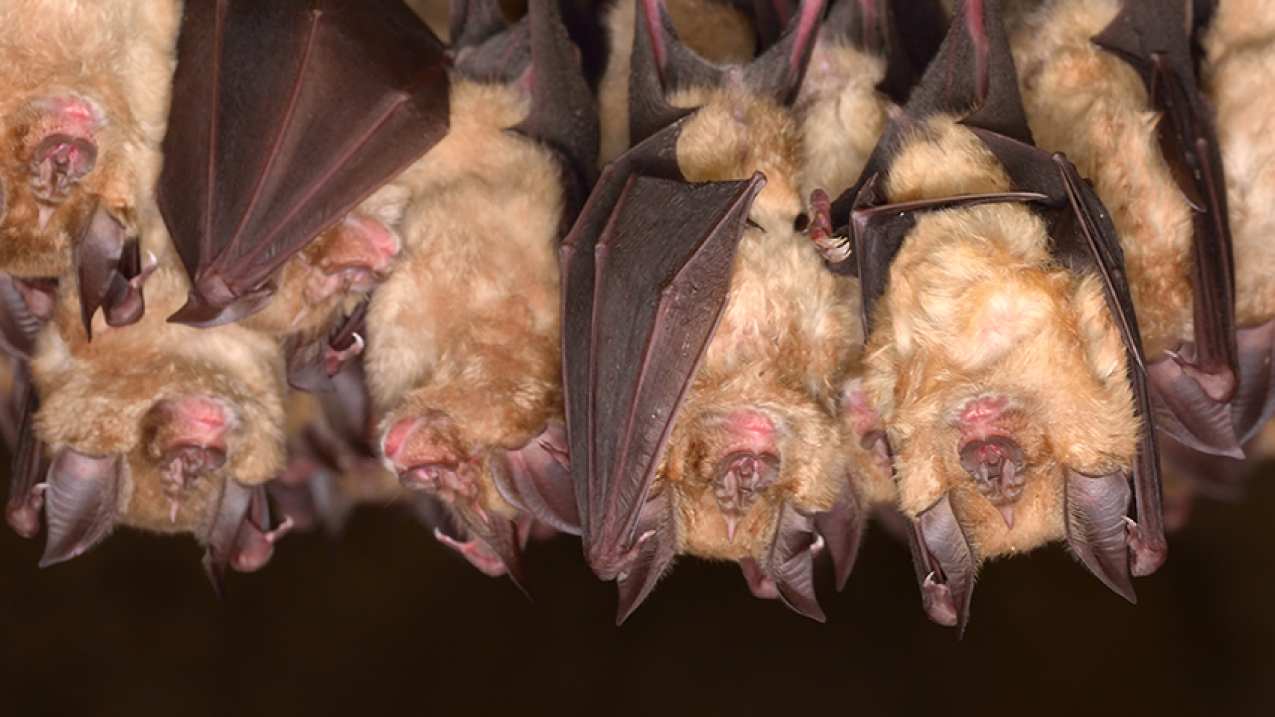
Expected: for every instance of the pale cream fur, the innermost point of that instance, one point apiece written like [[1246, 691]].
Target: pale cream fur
[[116, 54], [976, 308], [1239, 78], [1092, 106], [841, 115], [95, 397], [785, 343], [468, 321], [714, 30]]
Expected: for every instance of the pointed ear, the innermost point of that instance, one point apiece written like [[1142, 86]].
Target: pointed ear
[[947, 589], [790, 563], [655, 554], [537, 479], [779, 71], [221, 536], [841, 528], [80, 502], [1097, 529], [97, 259]]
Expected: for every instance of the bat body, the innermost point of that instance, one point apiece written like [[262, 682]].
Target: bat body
[[159, 426], [463, 356], [85, 98], [1152, 155], [715, 427], [713, 29], [1013, 402]]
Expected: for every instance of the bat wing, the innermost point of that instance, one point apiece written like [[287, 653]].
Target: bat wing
[[647, 269], [285, 115], [1196, 382], [239, 535], [841, 528], [22, 511]]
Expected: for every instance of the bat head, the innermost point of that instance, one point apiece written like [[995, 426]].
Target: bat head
[[49, 180]]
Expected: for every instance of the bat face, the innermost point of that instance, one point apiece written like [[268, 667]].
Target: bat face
[[79, 121], [997, 373]]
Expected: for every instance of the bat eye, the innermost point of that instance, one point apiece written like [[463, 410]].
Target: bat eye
[[801, 222]]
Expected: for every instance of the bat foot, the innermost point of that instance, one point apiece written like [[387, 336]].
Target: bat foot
[[23, 515], [834, 249], [937, 600], [1147, 553], [478, 553]]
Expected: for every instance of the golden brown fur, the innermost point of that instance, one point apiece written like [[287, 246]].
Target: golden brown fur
[[785, 343], [1239, 76], [97, 398], [976, 308], [1091, 105], [468, 322], [118, 56], [713, 29]]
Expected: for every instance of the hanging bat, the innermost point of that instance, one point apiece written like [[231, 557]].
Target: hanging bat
[[158, 426], [259, 158], [1239, 50], [1112, 85], [462, 356], [712, 29], [80, 127], [1003, 353], [704, 403]]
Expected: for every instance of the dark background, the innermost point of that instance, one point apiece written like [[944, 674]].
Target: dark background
[[388, 622]]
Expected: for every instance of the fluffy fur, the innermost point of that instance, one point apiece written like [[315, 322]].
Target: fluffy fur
[[468, 322], [1089, 104], [784, 345], [117, 57], [97, 398], [1239, 74], [976, 309], [713, 29]]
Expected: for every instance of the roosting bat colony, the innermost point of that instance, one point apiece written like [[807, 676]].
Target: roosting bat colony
[[680, 277]]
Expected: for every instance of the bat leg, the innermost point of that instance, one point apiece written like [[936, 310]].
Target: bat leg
[[189, 436], [834, 249]]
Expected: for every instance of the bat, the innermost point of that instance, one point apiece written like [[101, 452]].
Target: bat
[[712, 29], [1093, 72], [1238, 46], [1003, 351], [259, 158], [80, 128], [462, 356], [705, 346], [158, 426]]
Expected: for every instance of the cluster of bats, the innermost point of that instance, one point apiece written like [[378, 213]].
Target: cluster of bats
[[676, 276]]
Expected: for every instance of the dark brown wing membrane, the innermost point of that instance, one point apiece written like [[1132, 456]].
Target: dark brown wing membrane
[[22, 511], [285, 115], [1153, 37]]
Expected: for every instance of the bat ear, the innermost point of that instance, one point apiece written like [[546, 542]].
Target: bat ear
[[649, 112], [563, 113], [80, 501], [1097, 530], [654, 555], [947, 589], [537, 479], [100, 254], [778, 72], [791, 562], [1185, 411], [841, 528], [473, 22]]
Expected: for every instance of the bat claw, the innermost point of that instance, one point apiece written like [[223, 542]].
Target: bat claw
[[833, 248]]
